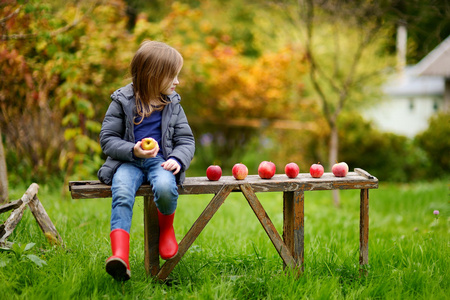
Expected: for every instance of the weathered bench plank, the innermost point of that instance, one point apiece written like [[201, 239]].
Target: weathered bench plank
[[201, 185]]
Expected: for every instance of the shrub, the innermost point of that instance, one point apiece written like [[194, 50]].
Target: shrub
[[387, 156], [436, 143]]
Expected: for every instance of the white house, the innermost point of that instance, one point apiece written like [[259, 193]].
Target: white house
[[415, 94]]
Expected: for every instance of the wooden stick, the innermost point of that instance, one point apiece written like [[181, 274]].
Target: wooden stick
[[11, 205], [364, 173], [44, 222], [11, 223], [15, 217]]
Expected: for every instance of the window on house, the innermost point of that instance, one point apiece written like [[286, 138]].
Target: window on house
[[435, 105], [411, 104]]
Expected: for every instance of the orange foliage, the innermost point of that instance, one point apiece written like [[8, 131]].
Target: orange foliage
[[52, 77], [60, 63], [218, 79]]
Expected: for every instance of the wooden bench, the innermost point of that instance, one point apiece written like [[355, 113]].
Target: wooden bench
[[290, 247]]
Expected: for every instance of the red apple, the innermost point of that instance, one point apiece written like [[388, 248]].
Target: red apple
[[316, 170], [340, 169], [266, 169], [214, 172], [148, 143], [240, 171], [291, 170]]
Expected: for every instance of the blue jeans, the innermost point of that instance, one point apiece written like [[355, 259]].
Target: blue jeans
[[127, 180]]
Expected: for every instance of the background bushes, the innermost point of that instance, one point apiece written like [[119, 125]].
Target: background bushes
[[239, 68], [392, 157], [435, 141]]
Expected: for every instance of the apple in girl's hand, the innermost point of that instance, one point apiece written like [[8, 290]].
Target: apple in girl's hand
[[340, 169], [316, 170], [214, 172], [148, 143], [266, 169], [240, 171], [291, 170]]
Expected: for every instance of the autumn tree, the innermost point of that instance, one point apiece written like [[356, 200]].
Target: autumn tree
[[55, 82], [229, 83], [344, 48]]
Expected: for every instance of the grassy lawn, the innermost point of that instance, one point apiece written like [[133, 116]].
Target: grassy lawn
[[233, 257]]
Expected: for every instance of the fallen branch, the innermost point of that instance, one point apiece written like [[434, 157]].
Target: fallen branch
[[31, 200], [10, 206], [44, 222], [17, 214]]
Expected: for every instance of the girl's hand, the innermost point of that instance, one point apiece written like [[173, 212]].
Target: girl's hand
[[141, 153], [171, 165]]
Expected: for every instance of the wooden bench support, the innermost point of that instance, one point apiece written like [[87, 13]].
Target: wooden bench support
[[195, 230], [151, 236], [268, 226], [293, 225], [290, 247], [364, 230], [213, 206]]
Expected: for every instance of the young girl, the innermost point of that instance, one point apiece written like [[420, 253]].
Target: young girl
[[147, 107]]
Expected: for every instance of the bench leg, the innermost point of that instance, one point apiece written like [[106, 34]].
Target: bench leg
[[293, 226], [364, 231], [195, 230], [267, 224], [151, 236]]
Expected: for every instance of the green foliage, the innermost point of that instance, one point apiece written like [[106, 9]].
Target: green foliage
[[426, 22], [436, 143], [387, 156], [67, 73], [19, 255], [52, 80], [60, 62], [228, 78]]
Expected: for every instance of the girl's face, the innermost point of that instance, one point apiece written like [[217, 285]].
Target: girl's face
[[170, 89]]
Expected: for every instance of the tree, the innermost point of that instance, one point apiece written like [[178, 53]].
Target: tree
[[343, 43], [427, 24], [228, 79], [3, 173], [51, 81]]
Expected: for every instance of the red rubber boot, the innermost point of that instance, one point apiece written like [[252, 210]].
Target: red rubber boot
[[118, 265], [168, 246]]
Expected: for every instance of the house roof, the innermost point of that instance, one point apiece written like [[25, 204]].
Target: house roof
[[409, 84], [437, 62]]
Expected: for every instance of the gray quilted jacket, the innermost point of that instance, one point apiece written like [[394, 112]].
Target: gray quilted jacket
[[117, 134]]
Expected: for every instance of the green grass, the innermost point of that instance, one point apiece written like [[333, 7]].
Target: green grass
[[233, 257]]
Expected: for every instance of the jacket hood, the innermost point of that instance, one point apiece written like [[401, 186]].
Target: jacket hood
[[126, 93]]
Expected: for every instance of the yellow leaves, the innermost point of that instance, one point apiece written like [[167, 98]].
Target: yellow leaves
[[83, 143], [59, 79], [205, 26], [51, 238], [76, 70], [71, 133], [246, 87]]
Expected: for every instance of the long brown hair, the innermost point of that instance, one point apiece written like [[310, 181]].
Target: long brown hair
[[153, 68]]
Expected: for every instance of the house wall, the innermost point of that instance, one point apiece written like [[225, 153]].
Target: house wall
[[404, 115]]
